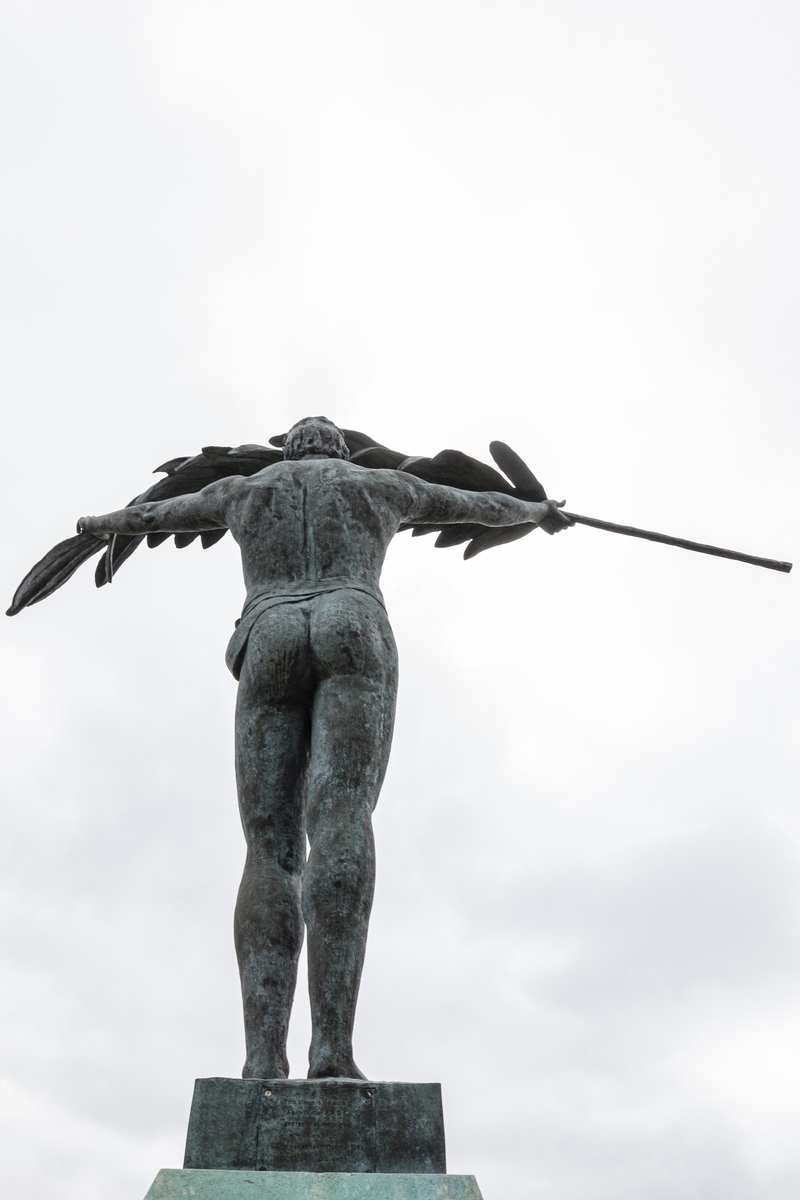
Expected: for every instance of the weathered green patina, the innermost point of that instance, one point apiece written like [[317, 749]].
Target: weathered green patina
[[317, 666], [316, 1125], [304, 1185]]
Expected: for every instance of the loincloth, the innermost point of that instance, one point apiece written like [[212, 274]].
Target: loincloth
[[261, 602]]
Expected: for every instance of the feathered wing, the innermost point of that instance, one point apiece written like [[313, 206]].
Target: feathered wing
[[185, 475], [458, 470], [182, 476]]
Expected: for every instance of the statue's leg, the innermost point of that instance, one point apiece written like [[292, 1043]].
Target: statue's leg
[[272, 751], [356, 663]]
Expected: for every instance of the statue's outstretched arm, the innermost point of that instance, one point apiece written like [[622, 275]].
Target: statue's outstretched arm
[[182, 514], [434, 504], [454, 469]]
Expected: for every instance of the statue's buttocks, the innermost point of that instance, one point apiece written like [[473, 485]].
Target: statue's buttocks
[[260, 602]]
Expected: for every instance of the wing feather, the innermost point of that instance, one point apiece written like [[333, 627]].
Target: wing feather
[[50, 572], [119, 549], [172, 466], [379, 457], [455, 535], [496, 537], [454, 469], [517, 471], [210, 537]]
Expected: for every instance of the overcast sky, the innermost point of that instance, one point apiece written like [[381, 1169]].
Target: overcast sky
[[568, 225]]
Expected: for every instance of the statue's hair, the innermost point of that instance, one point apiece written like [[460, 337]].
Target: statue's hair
[[338, 445]]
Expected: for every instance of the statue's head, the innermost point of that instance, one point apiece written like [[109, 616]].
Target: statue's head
[[315, 436]]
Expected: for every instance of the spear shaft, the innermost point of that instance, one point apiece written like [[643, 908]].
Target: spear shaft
[[772, 564]]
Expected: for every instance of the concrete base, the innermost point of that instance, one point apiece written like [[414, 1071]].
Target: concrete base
[[308, 1185]]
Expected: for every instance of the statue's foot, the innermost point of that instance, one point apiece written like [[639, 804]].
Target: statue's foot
[[265, 1067], [334, 1067]]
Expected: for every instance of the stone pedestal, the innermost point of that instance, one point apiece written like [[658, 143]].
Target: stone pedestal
[[306, 1185], [314, 1139], [317, 1125]]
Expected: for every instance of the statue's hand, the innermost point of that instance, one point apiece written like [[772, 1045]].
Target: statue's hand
[[85, 525], [552, 519]]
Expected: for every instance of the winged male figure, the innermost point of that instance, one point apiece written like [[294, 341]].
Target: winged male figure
[[317, 668]]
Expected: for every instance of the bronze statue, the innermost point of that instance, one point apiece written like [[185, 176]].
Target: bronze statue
[[317, 668]]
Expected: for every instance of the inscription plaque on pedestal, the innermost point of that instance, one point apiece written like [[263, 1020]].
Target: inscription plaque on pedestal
[[331, 1125]]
